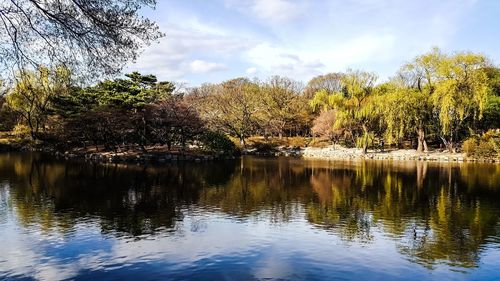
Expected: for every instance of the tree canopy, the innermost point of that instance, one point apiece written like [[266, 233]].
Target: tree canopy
[[90, 37], [436, 99]]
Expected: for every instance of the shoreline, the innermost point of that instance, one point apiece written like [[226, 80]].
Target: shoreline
[[141, 157], [125, 156], [308, 153], [340, 153]]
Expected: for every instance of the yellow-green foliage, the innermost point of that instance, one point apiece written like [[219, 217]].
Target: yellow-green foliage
[[369, 138], [31, 95], [355, 106], [462, 91], [403, 110], [325, 100], [486, 146], [21, 131]]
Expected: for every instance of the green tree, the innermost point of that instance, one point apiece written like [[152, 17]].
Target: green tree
[[419, 78], [491, 114], [134, 92], [493, 74], [405, 111], [323, 100], [355, 107], [358, 107], [127, 96], [461, 95]]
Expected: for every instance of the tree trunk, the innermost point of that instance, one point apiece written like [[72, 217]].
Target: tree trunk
[[449, 144], [422, 144], [365, 140], [32, 127]]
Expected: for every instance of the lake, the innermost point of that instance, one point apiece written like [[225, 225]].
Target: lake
[[248, 219]]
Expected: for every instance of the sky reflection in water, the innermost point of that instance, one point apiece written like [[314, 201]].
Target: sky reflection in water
[[248, 219]]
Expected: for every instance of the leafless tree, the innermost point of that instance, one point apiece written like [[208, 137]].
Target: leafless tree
[[90, 37]]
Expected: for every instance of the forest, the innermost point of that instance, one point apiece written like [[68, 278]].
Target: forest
[[436, 100]]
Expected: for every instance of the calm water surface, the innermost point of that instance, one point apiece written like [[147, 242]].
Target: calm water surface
[[248, 219]]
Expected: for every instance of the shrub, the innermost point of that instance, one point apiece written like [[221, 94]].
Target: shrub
[[218, 142], [21, 131], [486, 146], [470, 145]]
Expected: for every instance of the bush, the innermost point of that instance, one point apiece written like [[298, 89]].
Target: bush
[[218, 142], [486, 146], [21, 131], [470, 145]]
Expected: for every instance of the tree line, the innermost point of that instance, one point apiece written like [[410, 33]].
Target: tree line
[[436, 98]]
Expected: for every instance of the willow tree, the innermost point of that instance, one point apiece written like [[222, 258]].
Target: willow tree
[[461, 95], [418, 80], [324, 100], [359, 106], [33, 93], [327, 103], [456, 87], [405, 111], [355, 106]]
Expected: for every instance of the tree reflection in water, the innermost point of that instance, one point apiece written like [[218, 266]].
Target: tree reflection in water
[[431, 210], [434, 212]]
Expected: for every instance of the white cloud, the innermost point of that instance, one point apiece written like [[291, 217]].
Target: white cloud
[[275, 60], [270, 11], [302, 63], [276, 10], [376, 35], [173, 58], [201, 66], [251, 70]]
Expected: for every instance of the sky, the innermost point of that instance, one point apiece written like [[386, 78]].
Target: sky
[[217, 40]]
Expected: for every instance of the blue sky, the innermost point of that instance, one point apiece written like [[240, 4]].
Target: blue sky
[[212, 41]]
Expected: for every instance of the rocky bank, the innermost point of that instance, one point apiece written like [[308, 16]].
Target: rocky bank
[[340, 153]]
